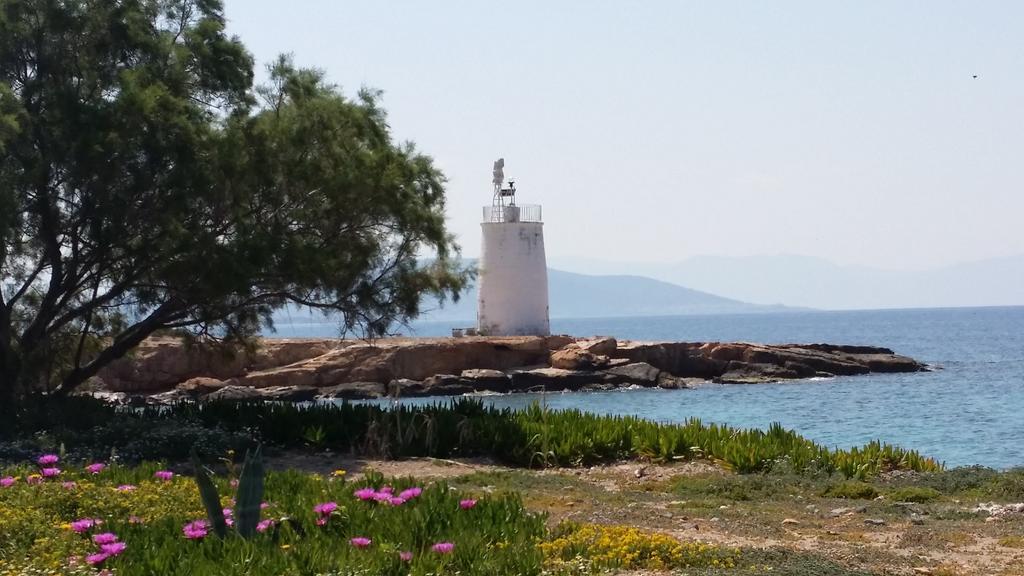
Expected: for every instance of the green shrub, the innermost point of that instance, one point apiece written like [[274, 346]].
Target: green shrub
[[1007, 485], [976, 482], [756, 487], [913, 494], [853, 490], [533, 437]]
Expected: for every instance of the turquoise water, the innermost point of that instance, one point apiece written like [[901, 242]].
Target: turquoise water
[[970, 410]]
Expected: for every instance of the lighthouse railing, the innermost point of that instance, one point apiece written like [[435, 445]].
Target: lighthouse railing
[[514, 213]]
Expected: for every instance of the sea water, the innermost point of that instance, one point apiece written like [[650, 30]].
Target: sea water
[[968, 410]]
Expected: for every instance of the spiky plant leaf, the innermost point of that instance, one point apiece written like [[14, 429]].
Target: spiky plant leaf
[[250, 494], [210, 497]]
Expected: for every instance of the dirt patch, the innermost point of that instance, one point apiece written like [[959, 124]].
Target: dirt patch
[[355, 468], [637, 475]]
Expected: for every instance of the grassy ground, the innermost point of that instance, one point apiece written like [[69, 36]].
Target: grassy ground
[[630, 518], [797, 508], [786, 524]]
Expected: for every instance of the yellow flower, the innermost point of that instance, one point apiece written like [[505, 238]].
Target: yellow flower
[[338, 473]]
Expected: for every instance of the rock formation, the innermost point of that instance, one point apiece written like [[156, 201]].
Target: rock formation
[[168, 370]]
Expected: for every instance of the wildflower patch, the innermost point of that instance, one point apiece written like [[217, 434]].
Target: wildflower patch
[[628, 547], [151, 520]]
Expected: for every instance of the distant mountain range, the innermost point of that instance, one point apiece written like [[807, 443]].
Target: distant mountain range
[[573, 295], [725, 285], [817, 283]]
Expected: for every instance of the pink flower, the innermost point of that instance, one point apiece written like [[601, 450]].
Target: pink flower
[[234, 483], [34, 479], [410, 493], [164, 475], [125, 488], [264, 525], [196, 530], [69, 485], [48, 459], [361, 542], [50, 472], [114, 548], [397, 501], [321, 521], [95, 468], [83, 525], [135, 520], [443, 547], [405, 556], [326, 508], [366, 494], [467, 503], [7, 481], [382, 497], [229, 522], [104, 538], [264, 505], [98, 558], [228, 512], [386, 490]]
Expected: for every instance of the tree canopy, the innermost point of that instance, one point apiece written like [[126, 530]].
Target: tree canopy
[[146, 184]]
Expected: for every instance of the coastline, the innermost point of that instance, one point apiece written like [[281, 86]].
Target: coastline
[[167, 370]]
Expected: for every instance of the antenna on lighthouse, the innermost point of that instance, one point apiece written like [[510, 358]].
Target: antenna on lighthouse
[[499, 173], [500, 193]]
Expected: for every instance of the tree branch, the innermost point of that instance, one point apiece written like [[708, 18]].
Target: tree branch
[[124, 342]]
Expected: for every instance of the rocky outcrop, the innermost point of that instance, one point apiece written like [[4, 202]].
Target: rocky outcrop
[[353, 391], [604, 346], [744, 362], [637, 374], [574, 358], [553, 379], [160, 363], [302, 370]]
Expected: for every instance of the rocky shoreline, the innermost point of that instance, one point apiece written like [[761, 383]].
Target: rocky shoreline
[[166, 370]]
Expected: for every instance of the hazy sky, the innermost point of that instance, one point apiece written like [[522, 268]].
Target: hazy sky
[[656, 131]]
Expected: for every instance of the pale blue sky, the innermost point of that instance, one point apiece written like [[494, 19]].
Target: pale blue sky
[[655, 131]]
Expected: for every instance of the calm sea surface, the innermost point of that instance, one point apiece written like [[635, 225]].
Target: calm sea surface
[[970, 410]]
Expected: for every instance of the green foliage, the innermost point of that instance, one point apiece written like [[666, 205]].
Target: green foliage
[[248, 500], [971, 482], [250, 494], [854, 490], [752, 487], [531, 437], [497, 536], [913, 494], [210, 497], [146, 185]]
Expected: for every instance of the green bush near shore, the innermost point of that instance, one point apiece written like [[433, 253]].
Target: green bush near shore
[[851, 490], [918, 494], [534, 437]]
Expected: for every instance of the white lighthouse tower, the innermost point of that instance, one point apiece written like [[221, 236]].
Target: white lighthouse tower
[[513, 272]]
